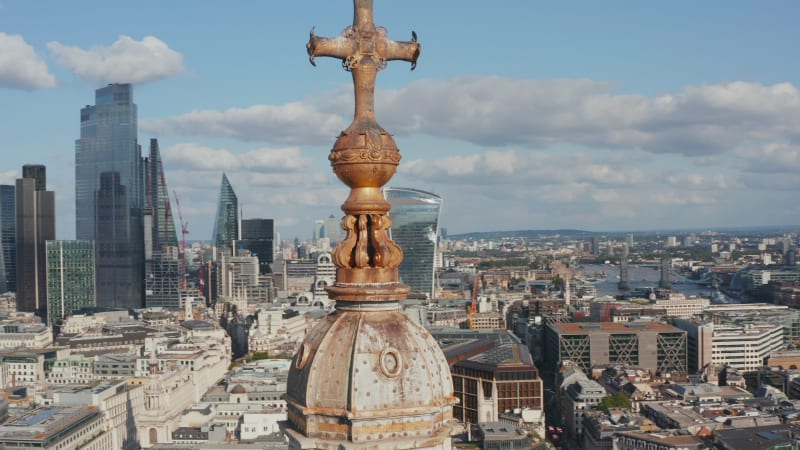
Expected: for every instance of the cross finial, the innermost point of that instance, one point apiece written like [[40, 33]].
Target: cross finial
[[364, 50]]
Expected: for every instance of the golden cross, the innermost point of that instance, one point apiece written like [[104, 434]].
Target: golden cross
[[364, 50]]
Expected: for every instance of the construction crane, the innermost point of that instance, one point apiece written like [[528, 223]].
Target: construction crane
[[184, 232]]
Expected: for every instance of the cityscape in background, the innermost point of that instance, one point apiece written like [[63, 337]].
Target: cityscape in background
[[577, 339], [134, 336]]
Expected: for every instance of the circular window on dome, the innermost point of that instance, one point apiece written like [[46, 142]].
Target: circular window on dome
[[391, 363], [303, 354]]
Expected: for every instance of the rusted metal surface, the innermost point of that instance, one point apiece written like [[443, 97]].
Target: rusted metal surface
[[367, 376], [364, 156]]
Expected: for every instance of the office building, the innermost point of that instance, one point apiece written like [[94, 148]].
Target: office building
[[226, 225], [652, 346], [665, 282], [57, 427], [257, 237], [70, 278], [415, 226], [109, 195], [744, 347], [161, 254], [8, 239], [319, 230], [36, 224], [624, 284], [333, 229], [164, 232], [493, 373]]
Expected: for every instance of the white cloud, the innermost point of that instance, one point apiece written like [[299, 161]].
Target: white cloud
[[200, 157], [496, 112], [770, 158], [20, 66], [9, 177], [125, 61], [290, 123]]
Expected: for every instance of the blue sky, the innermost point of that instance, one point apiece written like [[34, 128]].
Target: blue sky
[[617, 115]]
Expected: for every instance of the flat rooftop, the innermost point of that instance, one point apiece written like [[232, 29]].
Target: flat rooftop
[[611, 327]]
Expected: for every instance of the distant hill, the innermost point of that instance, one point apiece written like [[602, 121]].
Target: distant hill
[[521, 233]]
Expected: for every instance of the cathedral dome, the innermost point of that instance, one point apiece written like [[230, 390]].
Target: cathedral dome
[[368, 376]]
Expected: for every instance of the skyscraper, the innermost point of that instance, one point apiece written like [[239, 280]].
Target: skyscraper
[[624, 284], [161, 254], [226, 226], [70, 278], [109, 195], [665, 282], [164, 232], [415, 226], [36, 224], [257, 236], [8, 238], [333, 229]]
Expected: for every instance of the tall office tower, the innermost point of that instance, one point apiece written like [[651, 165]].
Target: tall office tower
[[257, 236], [666, 268], [161, 254], [162, 269], [38, 173], [109, 195], [629, 240], [791, 255], [70, 278], [319, 230], [36, 224], [415, 226], [623, 269], [595, 245], [164, 232], [333, 229], [8, 238], [226, 226]]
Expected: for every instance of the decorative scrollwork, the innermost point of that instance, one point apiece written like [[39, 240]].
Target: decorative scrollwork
[[367, 243]]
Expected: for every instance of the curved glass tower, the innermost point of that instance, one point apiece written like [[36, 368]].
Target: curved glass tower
[[415, 228], [226, 226]]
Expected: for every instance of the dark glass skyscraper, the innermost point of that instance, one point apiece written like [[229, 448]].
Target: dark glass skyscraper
[[226, 225], [415, 226], [36, 224], [8, 238], [257, 236], [109, 195]]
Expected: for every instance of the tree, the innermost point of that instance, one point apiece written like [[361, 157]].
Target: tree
[[618, 400]]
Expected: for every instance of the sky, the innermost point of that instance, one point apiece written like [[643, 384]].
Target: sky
[[601, 116]]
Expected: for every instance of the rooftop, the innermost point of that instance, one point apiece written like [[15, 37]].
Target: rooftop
[[611, 327]]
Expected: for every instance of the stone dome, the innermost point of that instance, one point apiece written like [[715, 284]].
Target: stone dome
[[368, 376], [238, 389]]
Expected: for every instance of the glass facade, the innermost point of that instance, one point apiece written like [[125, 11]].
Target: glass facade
[[70, 278], [164, 232], [109, 195], [257, 236], [415, 227], [226, 226], [8, 239]]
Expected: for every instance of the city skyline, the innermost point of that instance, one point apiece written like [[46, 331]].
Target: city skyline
[[600, 117]]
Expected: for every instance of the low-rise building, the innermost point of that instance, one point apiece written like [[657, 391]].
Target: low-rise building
[[57, 428]]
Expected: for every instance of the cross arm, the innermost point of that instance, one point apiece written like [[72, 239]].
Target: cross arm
[[403, 50], [339, 47]]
